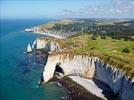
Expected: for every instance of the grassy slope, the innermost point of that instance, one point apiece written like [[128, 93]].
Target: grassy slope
[[107, 49]]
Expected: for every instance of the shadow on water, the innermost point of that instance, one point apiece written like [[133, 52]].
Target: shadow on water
[[29, 69], [33, 61]]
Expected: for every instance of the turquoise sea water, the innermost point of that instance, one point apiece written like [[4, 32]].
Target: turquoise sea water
[[19, 73]]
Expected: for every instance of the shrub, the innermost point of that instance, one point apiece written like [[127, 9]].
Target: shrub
[[103, 37], [125, 50], [116, 37], [92, 48], [126, 39]]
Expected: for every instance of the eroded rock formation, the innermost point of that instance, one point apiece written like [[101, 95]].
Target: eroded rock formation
[[50, 46]]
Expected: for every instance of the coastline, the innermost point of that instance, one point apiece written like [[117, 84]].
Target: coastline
[[89, 68], [78, 90], [103, 71], [52, 35], [44, 33], [20, 72]]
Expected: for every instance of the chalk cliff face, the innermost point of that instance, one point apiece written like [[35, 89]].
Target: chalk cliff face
[[40, 44], [115, 79], [48, 45], [78, 65], [92, 67], [40, 30]]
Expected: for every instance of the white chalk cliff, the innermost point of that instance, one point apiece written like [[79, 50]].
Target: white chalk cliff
[[86, 67], [50, 46], [92, 67]]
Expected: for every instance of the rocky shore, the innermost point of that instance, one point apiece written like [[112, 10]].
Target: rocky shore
[[76, 91]]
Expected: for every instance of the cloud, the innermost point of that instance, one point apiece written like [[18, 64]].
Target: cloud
[[123, 6], [114, 8]]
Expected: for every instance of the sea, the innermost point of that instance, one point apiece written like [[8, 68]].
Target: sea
[[19, 72]]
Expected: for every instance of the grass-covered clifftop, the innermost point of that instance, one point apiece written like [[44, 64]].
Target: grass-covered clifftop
[[108, 49], [111, 47]]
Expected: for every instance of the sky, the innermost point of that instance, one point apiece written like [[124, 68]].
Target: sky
[[35, 9]]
